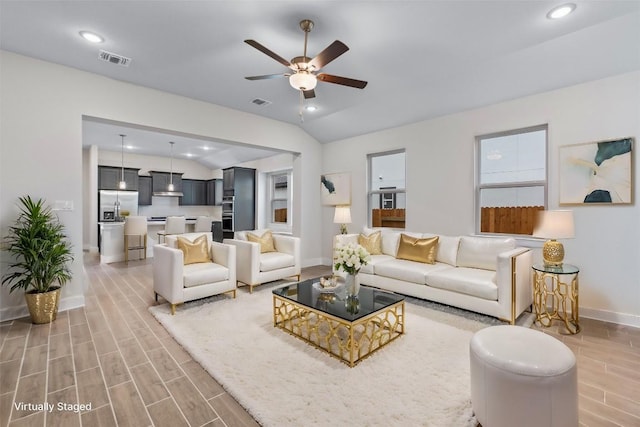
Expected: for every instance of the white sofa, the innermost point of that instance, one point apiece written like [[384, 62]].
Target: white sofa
[[255, 268], [487, 275], [178, 283]]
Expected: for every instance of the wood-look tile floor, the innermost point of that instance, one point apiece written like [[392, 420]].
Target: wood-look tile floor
[[114, 355]]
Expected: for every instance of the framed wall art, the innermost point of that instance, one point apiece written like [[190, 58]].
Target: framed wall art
[[335, 189], [597, 173]]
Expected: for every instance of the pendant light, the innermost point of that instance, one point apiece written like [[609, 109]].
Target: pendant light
[[170, 187], [123, 184]]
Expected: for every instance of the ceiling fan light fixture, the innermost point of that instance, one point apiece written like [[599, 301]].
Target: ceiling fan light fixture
[[303, 80]]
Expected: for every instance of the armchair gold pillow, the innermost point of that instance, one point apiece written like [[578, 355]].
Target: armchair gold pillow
[[265, 241], [194, 251]]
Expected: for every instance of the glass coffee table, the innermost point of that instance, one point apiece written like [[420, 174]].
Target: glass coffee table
[[349, 328]]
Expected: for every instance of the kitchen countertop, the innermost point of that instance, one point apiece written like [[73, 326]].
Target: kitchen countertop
[[151, 221]]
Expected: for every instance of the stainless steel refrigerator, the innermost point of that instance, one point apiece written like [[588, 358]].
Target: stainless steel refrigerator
[[114, 205]]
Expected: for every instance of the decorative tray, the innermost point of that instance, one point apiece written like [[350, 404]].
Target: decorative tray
[[326, 289]]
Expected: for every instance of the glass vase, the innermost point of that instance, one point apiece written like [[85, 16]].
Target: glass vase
[[352, 284]]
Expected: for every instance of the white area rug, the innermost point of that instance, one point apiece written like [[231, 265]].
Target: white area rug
[[420, 379]]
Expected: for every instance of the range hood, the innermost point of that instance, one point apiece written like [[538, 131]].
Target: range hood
[[167, 193]]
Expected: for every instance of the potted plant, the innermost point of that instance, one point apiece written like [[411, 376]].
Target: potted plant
[[41, 257]]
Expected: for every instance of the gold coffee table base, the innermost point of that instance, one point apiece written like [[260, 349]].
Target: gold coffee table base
[[347, 341]]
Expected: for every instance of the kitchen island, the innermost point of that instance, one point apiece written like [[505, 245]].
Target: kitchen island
[[111, 239]]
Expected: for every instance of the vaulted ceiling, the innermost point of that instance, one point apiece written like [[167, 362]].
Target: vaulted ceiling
[[421, 59]]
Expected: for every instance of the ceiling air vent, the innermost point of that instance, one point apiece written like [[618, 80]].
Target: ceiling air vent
[[114, 58], [261, 102]]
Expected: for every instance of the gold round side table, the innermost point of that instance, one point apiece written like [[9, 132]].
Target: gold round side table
[[555, 288]]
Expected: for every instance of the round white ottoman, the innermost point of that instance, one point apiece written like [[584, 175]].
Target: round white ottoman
[[522, 377]]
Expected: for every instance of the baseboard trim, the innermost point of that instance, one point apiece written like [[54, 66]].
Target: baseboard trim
[[313, 262], [17, 312], [611, 316]]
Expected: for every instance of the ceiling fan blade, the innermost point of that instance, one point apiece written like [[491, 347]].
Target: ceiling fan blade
[[267, 76], [345, 81], [308, 94], [332, 51], [268, 52]]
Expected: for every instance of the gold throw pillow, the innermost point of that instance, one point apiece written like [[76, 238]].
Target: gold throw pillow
[[265, 241], [196, 251], [372, 243], [420, 250]]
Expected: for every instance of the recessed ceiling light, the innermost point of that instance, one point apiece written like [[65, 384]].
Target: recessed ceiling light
[[92, 37], [129, 147], [561, 11], [189, 154], [311, 108]]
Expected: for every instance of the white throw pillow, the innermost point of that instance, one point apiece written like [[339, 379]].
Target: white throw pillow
[[390, 241], [482, 252], [447, 251]]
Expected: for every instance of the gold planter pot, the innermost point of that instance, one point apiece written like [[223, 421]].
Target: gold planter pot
[[43, 307]]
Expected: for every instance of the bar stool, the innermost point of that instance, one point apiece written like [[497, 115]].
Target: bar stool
[[203, 224], [173, 225], [135, 226]]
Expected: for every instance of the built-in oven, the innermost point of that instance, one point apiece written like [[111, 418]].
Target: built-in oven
[[227, 204], [227, 222]]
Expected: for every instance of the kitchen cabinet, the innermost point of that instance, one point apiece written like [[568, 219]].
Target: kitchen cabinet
[[239, 184], [109, 178], [160, 181], [228, 181], [214, 192], [194, 192], [145, 190]]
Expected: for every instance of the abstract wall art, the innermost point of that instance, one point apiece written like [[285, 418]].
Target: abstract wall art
[[335, 189], [597, 172]]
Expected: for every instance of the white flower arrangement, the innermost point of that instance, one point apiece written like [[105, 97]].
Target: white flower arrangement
[[350, 257]]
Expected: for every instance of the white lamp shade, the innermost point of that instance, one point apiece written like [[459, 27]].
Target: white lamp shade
[[554, 225], [303, 80], [342, 215]]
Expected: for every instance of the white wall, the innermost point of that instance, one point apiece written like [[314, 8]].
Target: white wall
[[41, 110], [265, 166], [440, 180]]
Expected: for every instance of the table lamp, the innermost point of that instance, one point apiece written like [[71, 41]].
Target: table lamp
[[342, 216], [554, 225]]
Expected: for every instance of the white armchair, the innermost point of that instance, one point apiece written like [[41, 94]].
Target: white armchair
[[178, 283], [255, 267]]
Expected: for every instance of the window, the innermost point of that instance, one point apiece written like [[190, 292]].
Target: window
[[386, 189], [280, 199], [512, 180]]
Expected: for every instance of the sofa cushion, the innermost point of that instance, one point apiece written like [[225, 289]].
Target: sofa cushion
[[194, 251], [204, 273], [370, 268], [265, 241], [469, 281], [372, 243], [420, 250], [270, 261], [482, 252], [408, 271]]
